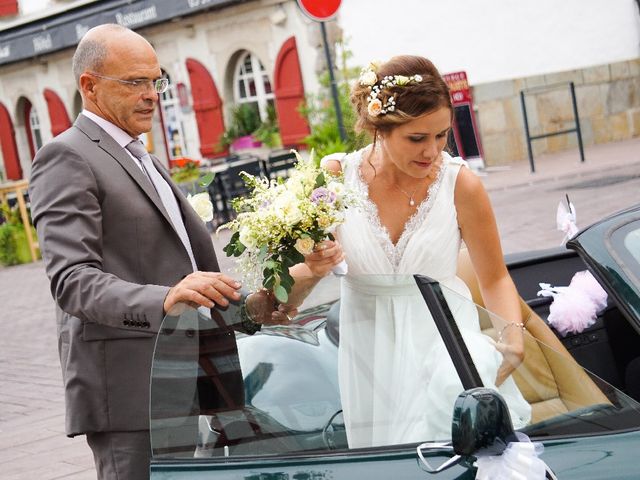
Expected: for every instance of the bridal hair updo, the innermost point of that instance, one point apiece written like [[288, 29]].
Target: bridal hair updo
[[396, 92]]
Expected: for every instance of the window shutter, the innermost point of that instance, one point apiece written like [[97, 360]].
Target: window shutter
[[8, 146], [57, 112], [208, 108], [289, 95], [8, 7]]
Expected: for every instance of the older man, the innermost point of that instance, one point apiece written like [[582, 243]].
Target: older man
[[121, 247]]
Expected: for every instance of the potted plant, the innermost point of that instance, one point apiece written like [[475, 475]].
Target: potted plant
[[245, 120], [268, 132], [185, 170]]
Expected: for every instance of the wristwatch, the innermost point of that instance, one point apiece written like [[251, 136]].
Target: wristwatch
[[248, 324]]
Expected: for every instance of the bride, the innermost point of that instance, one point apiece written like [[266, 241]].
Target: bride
[[397, 382]]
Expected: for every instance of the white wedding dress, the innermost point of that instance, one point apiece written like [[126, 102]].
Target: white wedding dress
[[397, 382]]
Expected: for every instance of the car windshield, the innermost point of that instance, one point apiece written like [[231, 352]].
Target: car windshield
[[625, 248], [362, 365]]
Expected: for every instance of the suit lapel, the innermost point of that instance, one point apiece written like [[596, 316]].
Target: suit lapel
[[111, 147]]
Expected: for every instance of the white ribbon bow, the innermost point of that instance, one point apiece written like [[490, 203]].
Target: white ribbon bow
[[519, 461], [566, 221]]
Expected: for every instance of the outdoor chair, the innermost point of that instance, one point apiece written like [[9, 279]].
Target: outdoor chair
[[278, 164], [232, 184]]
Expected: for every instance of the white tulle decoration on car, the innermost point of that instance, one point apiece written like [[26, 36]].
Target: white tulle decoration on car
[[519, 461], [575, 307], [566, 220]]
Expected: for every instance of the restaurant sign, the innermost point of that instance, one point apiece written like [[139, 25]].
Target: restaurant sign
[[65, 29]]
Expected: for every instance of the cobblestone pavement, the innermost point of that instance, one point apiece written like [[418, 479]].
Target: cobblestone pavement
[[32, 440]]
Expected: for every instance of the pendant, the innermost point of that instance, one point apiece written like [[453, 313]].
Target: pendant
[[411, 202]]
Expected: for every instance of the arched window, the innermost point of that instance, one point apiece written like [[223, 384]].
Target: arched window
[[35, 134], [172, 120], [251, 84], [28, 119]]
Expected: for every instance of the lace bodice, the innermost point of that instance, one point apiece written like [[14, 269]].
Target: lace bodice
[[431, 229], [370, 209]]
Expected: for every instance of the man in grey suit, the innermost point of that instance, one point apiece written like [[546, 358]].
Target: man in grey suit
[[121, 246]]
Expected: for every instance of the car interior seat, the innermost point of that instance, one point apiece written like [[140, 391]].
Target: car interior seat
[[549, 378]]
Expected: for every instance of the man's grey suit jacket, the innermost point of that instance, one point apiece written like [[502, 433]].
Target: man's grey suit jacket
[[111, 254]]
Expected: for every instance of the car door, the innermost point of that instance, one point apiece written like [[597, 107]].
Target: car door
[[286, 419]]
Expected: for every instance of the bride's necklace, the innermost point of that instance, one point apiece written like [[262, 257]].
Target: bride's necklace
[[408, 195]]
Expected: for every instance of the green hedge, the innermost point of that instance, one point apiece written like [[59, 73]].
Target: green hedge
[[14, 247]]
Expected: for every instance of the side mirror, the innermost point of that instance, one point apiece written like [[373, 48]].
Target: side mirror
[[482, 427], [481, 423]]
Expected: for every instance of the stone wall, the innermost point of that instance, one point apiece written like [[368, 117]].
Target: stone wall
[[608, 99]]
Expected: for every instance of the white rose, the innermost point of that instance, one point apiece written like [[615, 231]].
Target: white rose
[[297, 189], [246, 238], [305, 245], [368, 78], [292, 214], [295, 184], [201, 203], [285, 199]]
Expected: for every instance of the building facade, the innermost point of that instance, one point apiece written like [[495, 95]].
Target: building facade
[[217, 55], [267, 55]]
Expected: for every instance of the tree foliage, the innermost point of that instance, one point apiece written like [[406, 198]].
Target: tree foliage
[[321, 115]]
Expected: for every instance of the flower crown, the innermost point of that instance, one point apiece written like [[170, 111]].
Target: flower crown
[[369, 78]]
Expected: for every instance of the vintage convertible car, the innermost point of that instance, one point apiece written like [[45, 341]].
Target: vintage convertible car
[[273, 410]]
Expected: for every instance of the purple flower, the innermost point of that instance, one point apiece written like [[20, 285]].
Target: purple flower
[[323, 195]]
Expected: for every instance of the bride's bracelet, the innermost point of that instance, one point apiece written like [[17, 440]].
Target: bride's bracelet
[[512, 324]]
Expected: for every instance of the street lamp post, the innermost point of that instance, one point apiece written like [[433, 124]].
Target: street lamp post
[[334, 87]]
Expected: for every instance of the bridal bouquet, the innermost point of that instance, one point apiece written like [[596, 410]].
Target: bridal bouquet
[[283, 220]]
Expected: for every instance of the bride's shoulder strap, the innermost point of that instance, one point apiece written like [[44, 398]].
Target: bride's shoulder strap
[[454, 160]]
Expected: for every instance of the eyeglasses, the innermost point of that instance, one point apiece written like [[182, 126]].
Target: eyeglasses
[[159, 85]]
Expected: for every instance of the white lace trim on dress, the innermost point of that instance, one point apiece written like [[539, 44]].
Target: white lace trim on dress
[[394, 252]]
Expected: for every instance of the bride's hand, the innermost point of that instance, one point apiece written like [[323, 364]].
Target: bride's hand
[[263, 308], [325, 256], [511, 346]]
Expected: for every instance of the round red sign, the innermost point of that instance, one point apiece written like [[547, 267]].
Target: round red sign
[[319, 10]]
